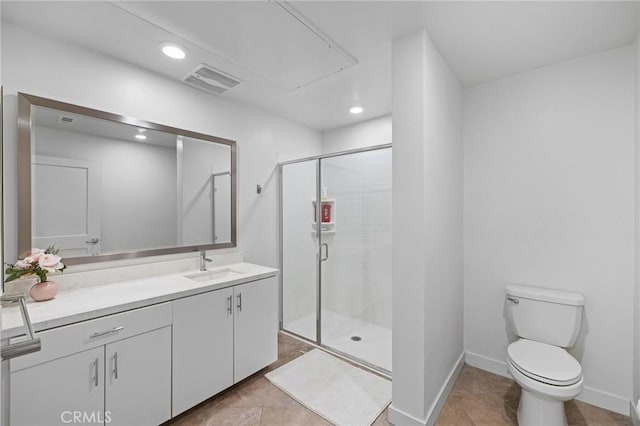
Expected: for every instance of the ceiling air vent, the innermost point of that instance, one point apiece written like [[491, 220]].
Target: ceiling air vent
[[211, 80], [66, 119]]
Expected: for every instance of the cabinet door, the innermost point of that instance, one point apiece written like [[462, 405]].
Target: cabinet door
[[202, 347], [138, 379], [255, 326], [59, 392]]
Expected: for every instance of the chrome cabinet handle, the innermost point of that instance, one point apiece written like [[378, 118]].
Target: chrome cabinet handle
[[513, 299], [93, 241], [240, 302], [106, 333], [229, 306], [95, 372], [326, 247], [115, 365], [33, 344]]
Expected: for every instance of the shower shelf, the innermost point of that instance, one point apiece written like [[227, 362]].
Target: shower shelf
[[326, 228]]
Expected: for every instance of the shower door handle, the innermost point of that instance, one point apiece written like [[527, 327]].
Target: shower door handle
[[326, 248]]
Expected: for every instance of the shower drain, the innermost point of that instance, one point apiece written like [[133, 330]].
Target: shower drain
[[356, 338]]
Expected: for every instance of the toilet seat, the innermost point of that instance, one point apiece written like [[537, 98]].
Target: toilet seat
[[544, 363]]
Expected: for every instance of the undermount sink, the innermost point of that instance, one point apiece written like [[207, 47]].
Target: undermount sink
[[205, 276]]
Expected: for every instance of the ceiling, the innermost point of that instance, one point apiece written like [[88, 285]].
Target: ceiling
[[310, 61]]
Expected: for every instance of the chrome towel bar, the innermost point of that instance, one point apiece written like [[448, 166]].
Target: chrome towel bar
[[32, 344]]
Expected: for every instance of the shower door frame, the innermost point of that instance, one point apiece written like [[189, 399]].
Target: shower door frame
[[317, 159]]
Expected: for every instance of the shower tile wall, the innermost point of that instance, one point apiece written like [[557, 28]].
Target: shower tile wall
[[356, 279]]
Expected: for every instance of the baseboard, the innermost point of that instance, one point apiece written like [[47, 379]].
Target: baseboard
[[589, 395], [445, 390], [487, 364], [400, 418], [635, 413], [604, 400]]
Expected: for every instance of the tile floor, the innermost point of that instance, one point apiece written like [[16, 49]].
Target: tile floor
[[255, 401], [483, 398], [478, 398]]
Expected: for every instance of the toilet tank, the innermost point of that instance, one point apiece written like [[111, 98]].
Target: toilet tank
[[544, 315]]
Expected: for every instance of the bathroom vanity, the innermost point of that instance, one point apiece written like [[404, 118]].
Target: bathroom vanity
[[142, 351], [119, 350]]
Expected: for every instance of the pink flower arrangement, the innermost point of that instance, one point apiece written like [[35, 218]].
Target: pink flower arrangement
[[38, 262]]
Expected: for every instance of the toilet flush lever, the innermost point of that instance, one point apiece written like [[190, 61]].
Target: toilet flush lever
[[513, 299]]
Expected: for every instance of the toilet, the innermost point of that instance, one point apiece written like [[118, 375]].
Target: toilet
[[546, 321]]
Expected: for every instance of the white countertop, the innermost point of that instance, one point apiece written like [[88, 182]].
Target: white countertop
[[92, 302]]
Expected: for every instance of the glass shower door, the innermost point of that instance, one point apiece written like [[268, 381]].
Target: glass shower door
[[356, 256], [299, 249]]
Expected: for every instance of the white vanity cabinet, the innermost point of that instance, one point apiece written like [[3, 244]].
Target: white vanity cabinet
[[138, 379], [255, 343], [221, 337], [202, 347], [114, 370], [142, 362], [50, 393]]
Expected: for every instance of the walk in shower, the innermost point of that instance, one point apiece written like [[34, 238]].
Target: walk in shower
[[336, 277]]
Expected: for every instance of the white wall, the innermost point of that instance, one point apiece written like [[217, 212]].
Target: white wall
[[376, 131], [45, 67], [548, 190], [427, 229]]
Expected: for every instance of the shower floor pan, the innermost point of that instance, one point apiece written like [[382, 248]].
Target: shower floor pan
[[362, 340]]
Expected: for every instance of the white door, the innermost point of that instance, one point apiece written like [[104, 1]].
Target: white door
[[256, 326], [202, 347], [138, 379], [53, 392], [66, 205]]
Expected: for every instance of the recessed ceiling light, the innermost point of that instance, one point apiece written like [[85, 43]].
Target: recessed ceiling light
[[173, 50], [356, 110]]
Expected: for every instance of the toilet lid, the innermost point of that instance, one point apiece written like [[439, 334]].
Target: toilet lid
[[546, 363]]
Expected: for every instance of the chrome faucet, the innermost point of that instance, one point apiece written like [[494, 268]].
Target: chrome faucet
[[203, 260]]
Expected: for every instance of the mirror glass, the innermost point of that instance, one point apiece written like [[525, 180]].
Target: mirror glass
[[100, 188]]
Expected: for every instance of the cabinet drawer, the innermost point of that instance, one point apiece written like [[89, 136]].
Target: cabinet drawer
[[66, 340]]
